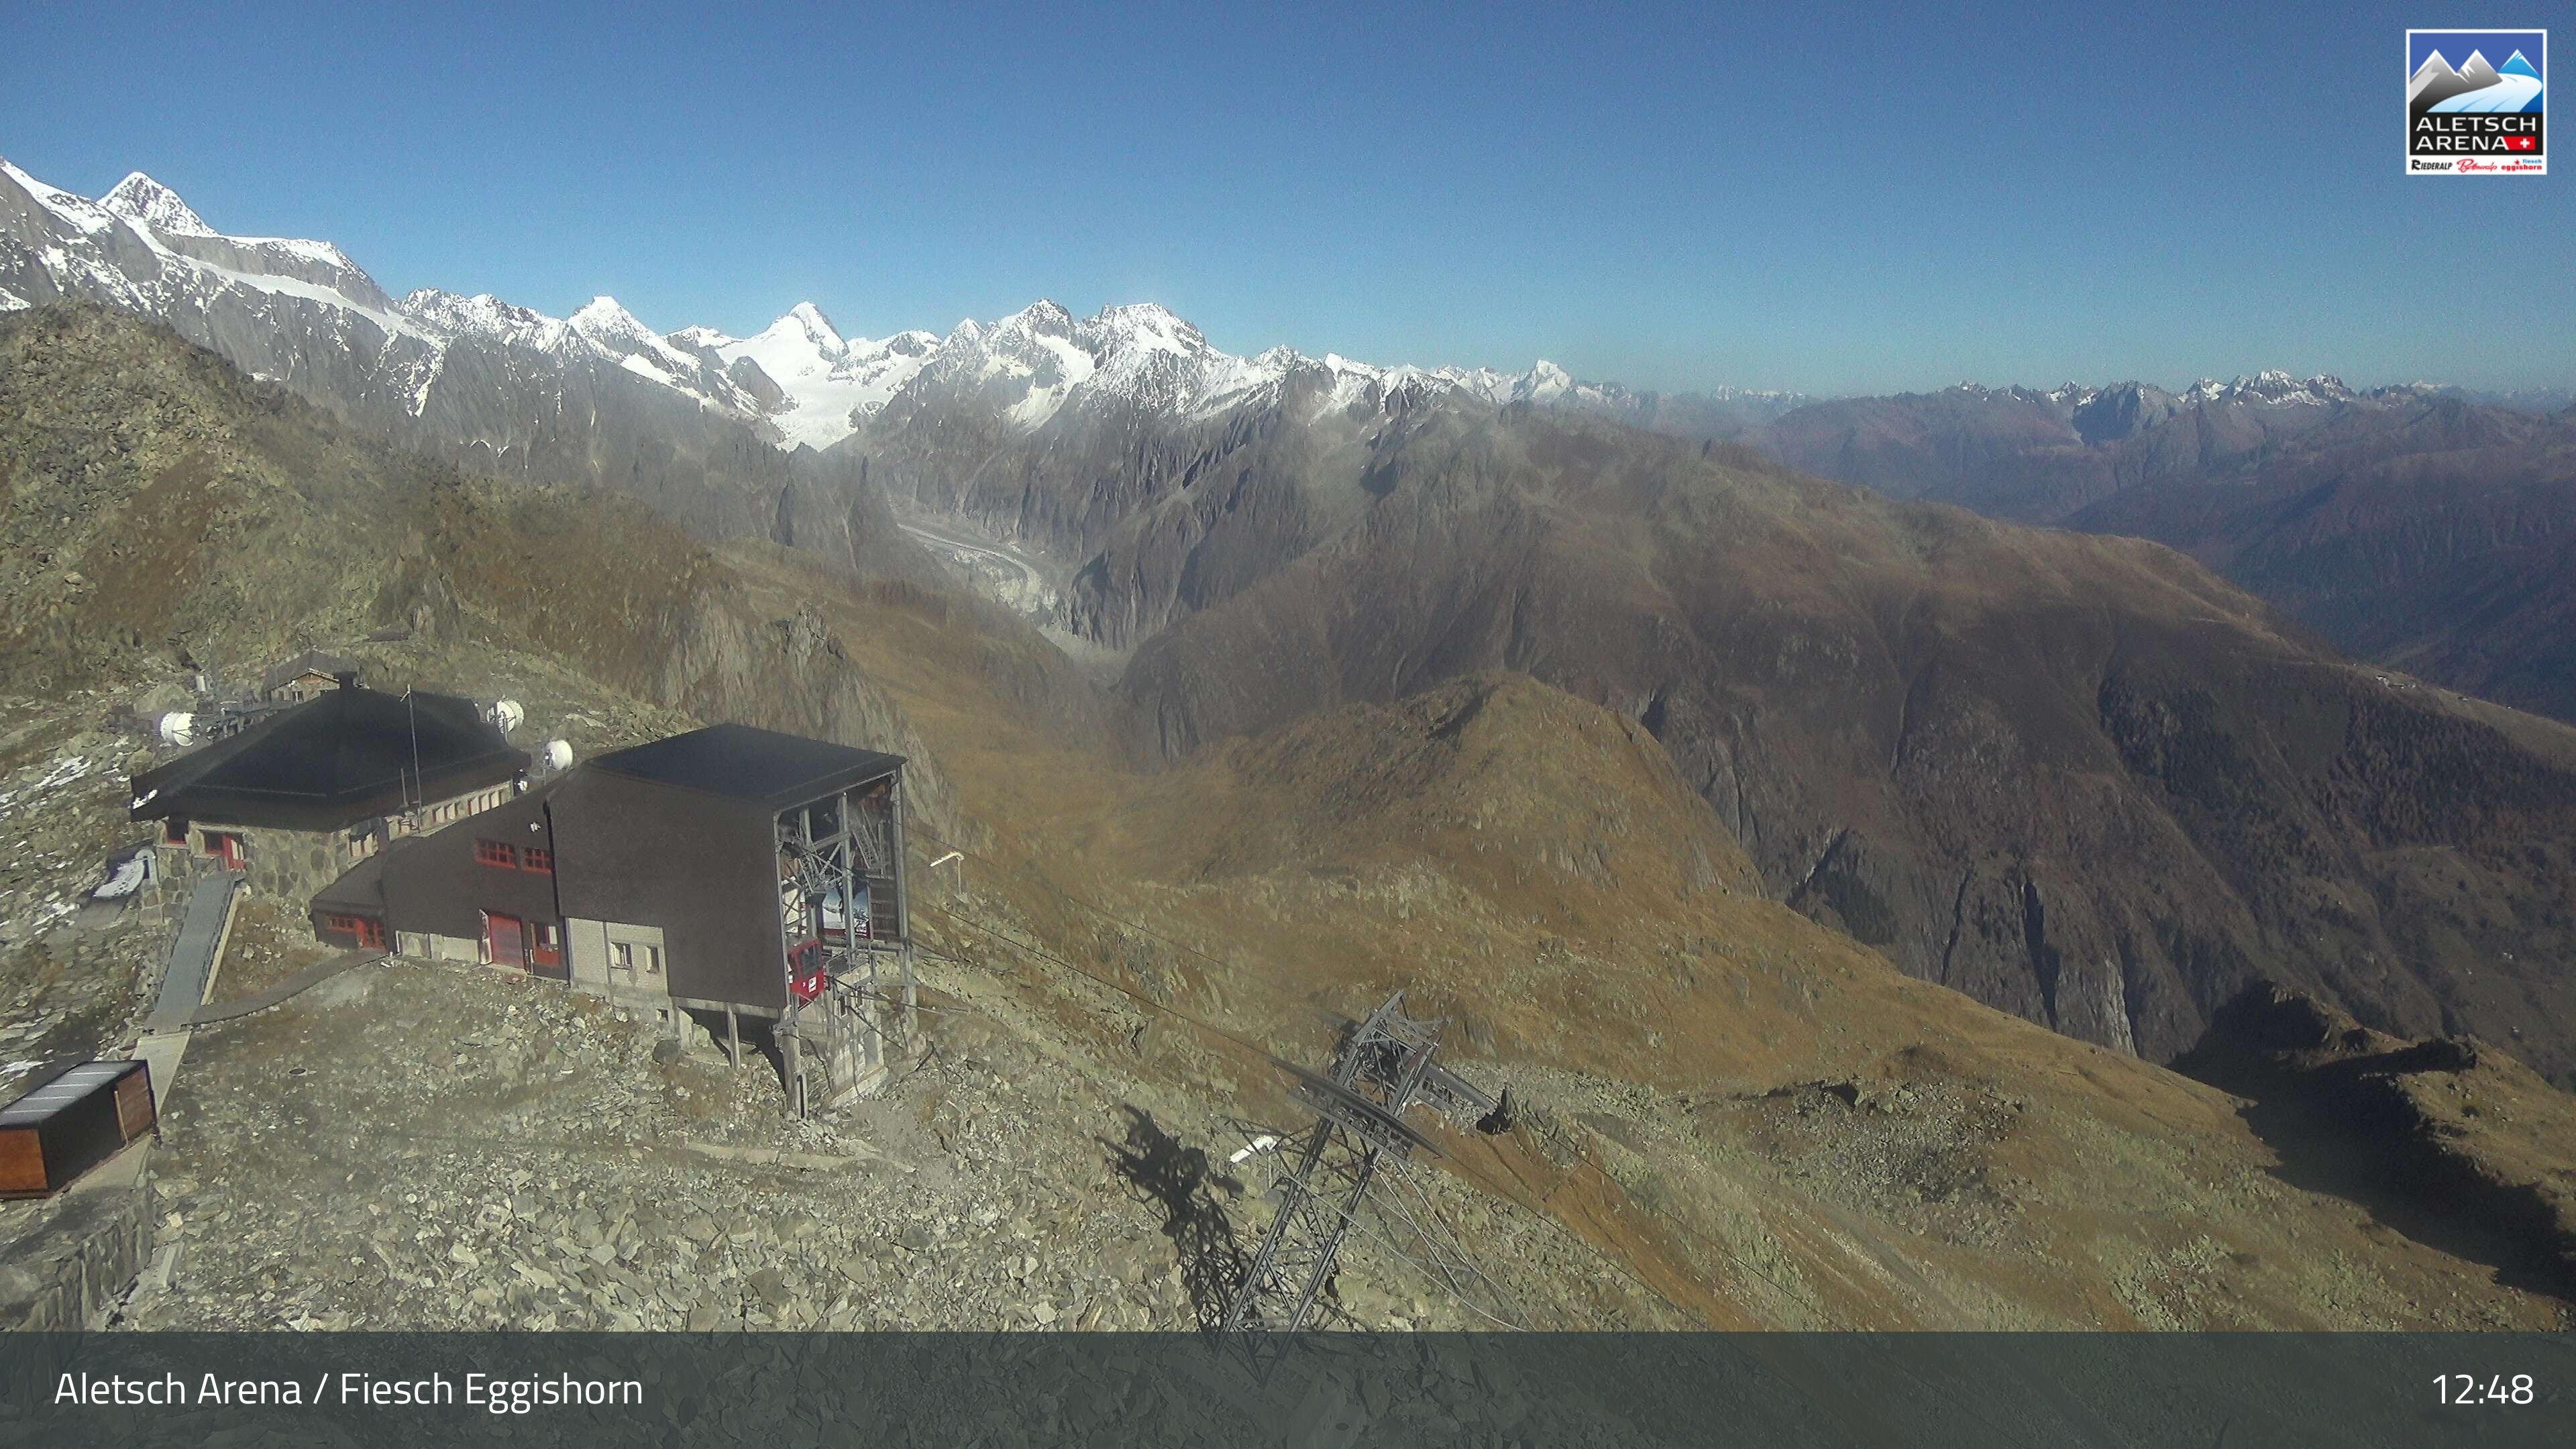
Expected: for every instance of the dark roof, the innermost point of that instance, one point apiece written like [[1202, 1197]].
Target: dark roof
[[311, 661], [741, 762], [61, 1088], [344, 757]]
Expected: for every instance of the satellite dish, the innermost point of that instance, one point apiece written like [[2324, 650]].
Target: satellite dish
[[505, 715], [178, 727], [558, 754]]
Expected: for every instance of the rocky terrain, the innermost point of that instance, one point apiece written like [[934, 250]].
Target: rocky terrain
[[73, 971], [160, 509]]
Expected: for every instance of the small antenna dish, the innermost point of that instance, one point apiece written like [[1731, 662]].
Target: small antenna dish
[[178, 727], [558, 754], [505, 715]]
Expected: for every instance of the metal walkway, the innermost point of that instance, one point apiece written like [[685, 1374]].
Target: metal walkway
[[294, 986], [193, 956]]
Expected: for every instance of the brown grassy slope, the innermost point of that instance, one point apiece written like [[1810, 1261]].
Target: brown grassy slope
[[2080, 778]]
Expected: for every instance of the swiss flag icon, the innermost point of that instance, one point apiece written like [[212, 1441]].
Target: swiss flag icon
[[2522, 143]]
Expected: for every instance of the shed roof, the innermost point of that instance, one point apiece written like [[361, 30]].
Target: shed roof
[[311, 661], [746, 763], [333, 761], [64, 1084]]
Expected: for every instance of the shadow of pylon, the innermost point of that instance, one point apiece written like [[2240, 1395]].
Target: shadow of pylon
[[1180, 1179]]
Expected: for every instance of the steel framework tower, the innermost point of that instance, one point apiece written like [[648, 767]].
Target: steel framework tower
[[834, 853], [1358, 1143]]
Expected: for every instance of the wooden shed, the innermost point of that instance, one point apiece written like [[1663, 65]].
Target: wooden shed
[[76, 1116]]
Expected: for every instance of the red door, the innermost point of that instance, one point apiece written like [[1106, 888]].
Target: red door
[[505, 941]]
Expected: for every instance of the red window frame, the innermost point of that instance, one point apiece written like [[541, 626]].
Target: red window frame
[[369, 931], [500, 853], [537, 858]]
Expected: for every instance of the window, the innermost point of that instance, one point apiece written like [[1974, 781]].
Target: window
[[369, 932], [496, 852], [537, 858], [174, 831], [631, 958]]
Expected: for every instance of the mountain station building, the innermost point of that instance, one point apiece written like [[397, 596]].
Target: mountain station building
[[293, 799], [732, 871]]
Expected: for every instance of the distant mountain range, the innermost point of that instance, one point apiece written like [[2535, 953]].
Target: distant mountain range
[[2428, 528], [496, 383]]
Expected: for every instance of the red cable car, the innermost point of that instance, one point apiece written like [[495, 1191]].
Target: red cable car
[[806, 977]]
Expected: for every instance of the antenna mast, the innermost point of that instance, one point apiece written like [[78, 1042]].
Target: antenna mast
[[419, 792]]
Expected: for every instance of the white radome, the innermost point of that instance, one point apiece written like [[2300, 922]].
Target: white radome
[[178, 727], [505, 715], [558, 754]]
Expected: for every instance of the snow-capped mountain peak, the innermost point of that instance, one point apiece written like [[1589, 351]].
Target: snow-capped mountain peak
[[140, 198], [825, 383], [1147, 324], [1546, 383], [604, 321], [817, 329]]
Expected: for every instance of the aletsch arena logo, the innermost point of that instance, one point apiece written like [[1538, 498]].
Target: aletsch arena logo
[[2474, 102]]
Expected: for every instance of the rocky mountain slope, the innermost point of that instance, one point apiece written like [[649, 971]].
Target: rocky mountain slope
[[2078, 778], [2438, 541]]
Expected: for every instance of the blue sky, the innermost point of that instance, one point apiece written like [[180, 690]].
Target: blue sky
[[1674, 197]]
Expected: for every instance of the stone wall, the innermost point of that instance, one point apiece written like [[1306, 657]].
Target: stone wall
[[69, 1259]]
